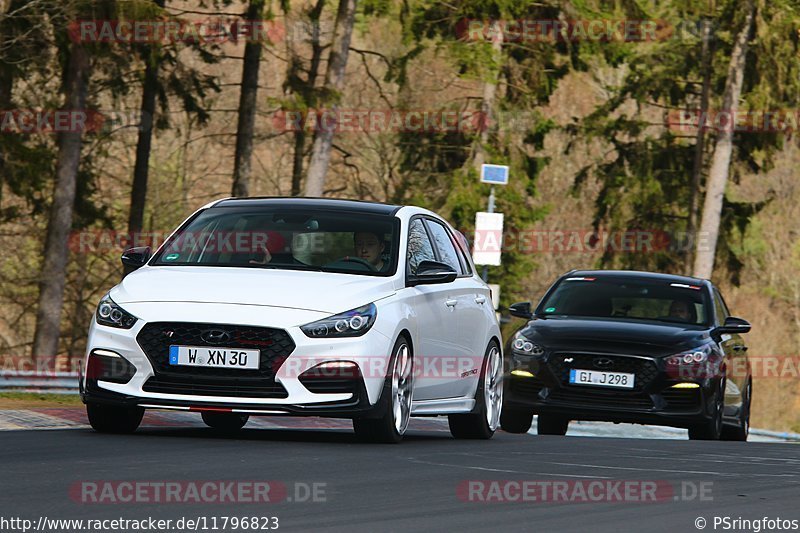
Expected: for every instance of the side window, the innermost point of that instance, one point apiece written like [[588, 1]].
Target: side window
[[445, 245], [419, 246], [462, 245], [721, 309]]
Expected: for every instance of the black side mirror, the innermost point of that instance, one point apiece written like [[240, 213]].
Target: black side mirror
[[734, 325], [135, 258], [521, 310], [431, 273]]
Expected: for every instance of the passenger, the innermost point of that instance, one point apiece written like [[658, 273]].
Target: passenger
[[275, 244]]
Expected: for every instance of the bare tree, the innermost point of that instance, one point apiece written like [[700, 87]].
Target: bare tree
[[56, 252], [489, 96], [300, 135], [334, 82], [706, 59], [141, 168], [248, 105], [706, 246]]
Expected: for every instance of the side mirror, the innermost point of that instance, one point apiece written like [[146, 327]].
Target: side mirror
[[433, 272], [521, 310], [734, 325], [135, 258]]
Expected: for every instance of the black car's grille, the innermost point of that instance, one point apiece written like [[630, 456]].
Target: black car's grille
[[682, 399], [602, 398], [645, 370], [274, 346]]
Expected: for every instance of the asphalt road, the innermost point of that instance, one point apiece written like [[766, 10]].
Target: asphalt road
[[418, 485]]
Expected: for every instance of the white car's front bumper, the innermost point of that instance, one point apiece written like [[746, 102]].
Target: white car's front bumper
[[370, 352]]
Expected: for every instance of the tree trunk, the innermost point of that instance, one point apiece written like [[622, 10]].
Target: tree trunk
[[489, 98], [313, 71], [706, 243], [6, 86], [141, 167], [706, 54], [56, 253], [248, 105], [334, 81]]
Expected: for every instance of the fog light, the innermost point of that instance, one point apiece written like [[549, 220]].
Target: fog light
[[686, 386], [105, 365], [522, 373]]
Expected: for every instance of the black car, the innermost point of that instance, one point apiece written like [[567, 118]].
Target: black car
[[625, 346]]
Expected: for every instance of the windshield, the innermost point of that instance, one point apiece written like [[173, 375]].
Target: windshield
[[631, 298], [297, 239]]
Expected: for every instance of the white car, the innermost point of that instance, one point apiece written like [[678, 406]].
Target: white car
[[294, 306]]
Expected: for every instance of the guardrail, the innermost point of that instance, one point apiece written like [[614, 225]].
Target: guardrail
[[49, 382]]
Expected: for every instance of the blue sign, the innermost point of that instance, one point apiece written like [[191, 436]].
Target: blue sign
[[494, 174]]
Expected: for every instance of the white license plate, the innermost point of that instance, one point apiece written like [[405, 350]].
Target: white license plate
[[214, 357], [620, 380]]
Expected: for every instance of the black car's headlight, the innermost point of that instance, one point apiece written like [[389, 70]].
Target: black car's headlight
[[521, 344], [110, 314], [348, 324], [697, 356]]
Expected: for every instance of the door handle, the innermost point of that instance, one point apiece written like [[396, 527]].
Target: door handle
[[480, 299], [450, 303]]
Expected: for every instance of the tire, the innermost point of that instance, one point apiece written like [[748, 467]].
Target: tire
[[516, 420], [712, 428], [225, 421], [741, 432], [552, 425], [395, 400], [484, 420], [110, 419]]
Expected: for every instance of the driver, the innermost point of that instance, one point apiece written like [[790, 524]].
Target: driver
[[680, 309], [369, 247]]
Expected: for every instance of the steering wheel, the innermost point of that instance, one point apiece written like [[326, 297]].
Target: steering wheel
[[358, 260]]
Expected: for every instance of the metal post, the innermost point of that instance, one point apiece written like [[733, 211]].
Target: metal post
[[490, 210]]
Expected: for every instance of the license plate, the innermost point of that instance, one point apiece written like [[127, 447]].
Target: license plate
[[214, 357], [620, 380]]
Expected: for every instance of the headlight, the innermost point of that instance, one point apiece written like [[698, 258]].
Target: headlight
[[348, 324], [523, 345], [110, 314], [690, 357]]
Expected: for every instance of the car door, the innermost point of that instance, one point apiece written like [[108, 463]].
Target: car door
[[735, 359], [469, 340], [435, 309]]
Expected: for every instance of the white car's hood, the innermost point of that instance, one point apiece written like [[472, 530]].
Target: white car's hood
[[314, 291]]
